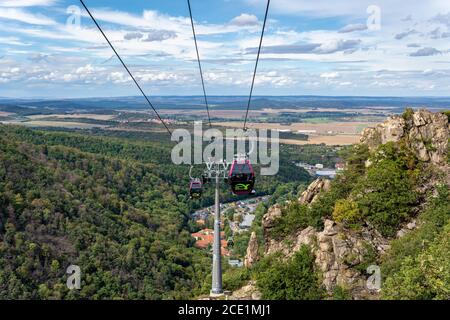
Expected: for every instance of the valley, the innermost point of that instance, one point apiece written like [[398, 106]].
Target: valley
[[202, 159], [300, 120], [104, 176]]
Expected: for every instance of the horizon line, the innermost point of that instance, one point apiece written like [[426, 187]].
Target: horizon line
[[227, 96]]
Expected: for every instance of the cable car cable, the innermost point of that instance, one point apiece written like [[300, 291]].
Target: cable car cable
[[126, 68], [199, 63], [256, 65]]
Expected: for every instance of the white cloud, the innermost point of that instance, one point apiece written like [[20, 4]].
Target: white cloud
[[273, 79], [326, 46], [11, 74], [68, 77], [27, 3], [337, 45], [118, 77], [425, 52], [341, 59], [352, 8], [149, 19], [245, 20], [87, 69], [24, 16], [405, 34], [330, 75], [13, 41], [353, 27], [159, 35]]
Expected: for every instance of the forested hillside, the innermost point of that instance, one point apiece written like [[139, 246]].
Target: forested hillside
[[389, 209], [118, 220], [115, 206], [155, 149]]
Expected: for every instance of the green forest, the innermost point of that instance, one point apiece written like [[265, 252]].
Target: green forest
[[109, 202]]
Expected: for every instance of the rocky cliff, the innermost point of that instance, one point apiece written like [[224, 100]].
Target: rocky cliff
[[336, 249], [252, 251], [426, 134], [311, 194], [342, 254]]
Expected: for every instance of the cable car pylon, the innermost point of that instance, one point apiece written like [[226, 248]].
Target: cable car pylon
[[216, 288], [216, 171], [241, 176]]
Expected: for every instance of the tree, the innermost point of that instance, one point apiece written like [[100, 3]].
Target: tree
[[55, 266], [424, 277], [385, 196], [295, 279], [346, 211]]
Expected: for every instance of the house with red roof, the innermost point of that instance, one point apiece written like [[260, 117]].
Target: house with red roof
[[205, 239]]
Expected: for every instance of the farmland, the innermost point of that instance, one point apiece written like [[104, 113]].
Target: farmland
[[300, 120]]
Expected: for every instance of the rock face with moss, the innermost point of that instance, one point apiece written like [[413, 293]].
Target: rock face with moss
[[247, 292], [424, 132], [341, 255], [252, 251], [380, 197], [269, 220], [313, 190]]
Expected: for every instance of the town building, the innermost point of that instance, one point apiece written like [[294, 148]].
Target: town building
[[339, 166], [236, 263], [204, 239], [247, 221]]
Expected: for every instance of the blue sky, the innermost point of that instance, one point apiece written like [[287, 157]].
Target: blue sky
[[319, 47]]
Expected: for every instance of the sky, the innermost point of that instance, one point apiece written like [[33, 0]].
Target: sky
[[52, 49]]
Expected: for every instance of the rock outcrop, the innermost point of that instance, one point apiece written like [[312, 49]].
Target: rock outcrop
[[311, 193], [247, 292], [407, 228], [426, 134], [429, 136], [304, 237], [269, 220], [338, 251], [307, 197], [252, 251], [342, 254], [392, 129]]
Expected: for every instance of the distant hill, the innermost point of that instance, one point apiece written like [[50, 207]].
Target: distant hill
[[233, 102]]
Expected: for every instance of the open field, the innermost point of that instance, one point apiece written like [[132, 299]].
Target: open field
[[366, 111], [334, 127], [61, 124], [149, 129], [74, 116], [322, 125], [5, 114], [328, 133], [338, 140], [236, 113], [321, 132], [201, 113]]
